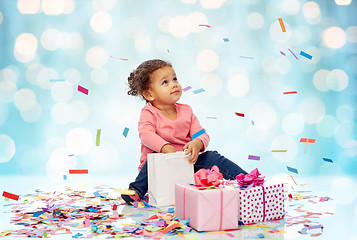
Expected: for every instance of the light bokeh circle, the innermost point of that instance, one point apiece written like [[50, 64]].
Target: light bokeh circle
[[99, 75], [26, 44], [344, 190], [212, 84], [255, 20], [337, 80], [51, 39], [28, 6], [8, 90], [345, 112], [334, 37], [207, 60], [312, 110], [61, 91], [142, 43], [79, 111], [79, 141], [7, 149], [101, 22], [33, 114], [293, 124], [179, 26], [264, 115], [96, 57], [238, 85], [4, 113], [291, 7], [60, 163], [326, 127], [24, 99], [320, 80]]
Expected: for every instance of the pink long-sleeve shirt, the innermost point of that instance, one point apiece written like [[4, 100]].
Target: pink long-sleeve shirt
[[156, 130]]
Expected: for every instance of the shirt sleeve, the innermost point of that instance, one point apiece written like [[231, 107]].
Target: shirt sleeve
[[147, 131], [196, 127]]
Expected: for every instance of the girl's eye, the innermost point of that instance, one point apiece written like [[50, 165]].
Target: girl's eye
[[175, 79], [164, 82]]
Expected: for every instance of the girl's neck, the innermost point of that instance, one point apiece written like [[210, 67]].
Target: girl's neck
[[168, 110]]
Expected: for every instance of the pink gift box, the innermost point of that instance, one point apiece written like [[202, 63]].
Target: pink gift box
[[261, 203], [209, 209]]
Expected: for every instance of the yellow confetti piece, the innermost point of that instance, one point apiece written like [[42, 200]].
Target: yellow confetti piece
[[127, 192], [217, 232], [281, 230], [298, 196]]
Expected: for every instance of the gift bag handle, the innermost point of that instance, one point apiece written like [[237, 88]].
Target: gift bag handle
[[169, 158]]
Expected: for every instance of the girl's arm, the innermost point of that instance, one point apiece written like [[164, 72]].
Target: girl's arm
[[148, 136]]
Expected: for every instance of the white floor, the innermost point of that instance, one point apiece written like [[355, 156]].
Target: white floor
[[339, 216]]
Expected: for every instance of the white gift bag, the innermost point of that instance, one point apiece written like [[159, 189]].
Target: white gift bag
[[164, 171]]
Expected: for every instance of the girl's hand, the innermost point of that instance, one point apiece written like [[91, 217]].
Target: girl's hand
[[193, 147], [168, 148]]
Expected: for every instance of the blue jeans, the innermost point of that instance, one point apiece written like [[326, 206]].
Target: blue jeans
[[205, 160]]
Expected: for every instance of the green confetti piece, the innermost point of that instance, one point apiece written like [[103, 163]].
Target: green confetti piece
[[279, 150], [98, 137]]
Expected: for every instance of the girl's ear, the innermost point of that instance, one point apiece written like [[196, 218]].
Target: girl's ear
[[148, 95]]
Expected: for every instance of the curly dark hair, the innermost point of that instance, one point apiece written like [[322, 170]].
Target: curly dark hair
[[139, 79]]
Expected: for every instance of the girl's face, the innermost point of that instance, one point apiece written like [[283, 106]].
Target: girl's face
[[164, 87]]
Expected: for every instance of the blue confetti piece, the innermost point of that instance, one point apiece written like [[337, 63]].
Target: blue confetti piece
[[171, 210], [198, 91], [226, 39], [252, 122], [261, 235], [64, 177], [304, 54], [327, 160], [125, 132], [197, 134], [294, 170]]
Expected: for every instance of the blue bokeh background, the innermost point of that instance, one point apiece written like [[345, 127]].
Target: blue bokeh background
[[48, 127]]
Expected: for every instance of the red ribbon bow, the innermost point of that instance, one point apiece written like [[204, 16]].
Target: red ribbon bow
[[206, 177], [251, 178]]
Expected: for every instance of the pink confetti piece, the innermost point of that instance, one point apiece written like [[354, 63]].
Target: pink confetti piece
[[124, 59], [203, 25], [293, 53], [230, 234], [83, 90]]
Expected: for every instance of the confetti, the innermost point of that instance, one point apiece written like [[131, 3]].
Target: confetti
[[252, 157], [203, 25], [282, 53], [125, 132], [294, 170], [83, 90], [226, 39], [125, 59], [293, 53], [10, 195], [197, 134], [78, 171], [282, 24], [198, 91], [246, 57], [279, 150], [230, 234], [290, 92], [240, 114], [57, 80], [252, 122], [212, 117], [304, 54], [327, 160], [186, 88], [97, 143], [64, 177], [307, 140]]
